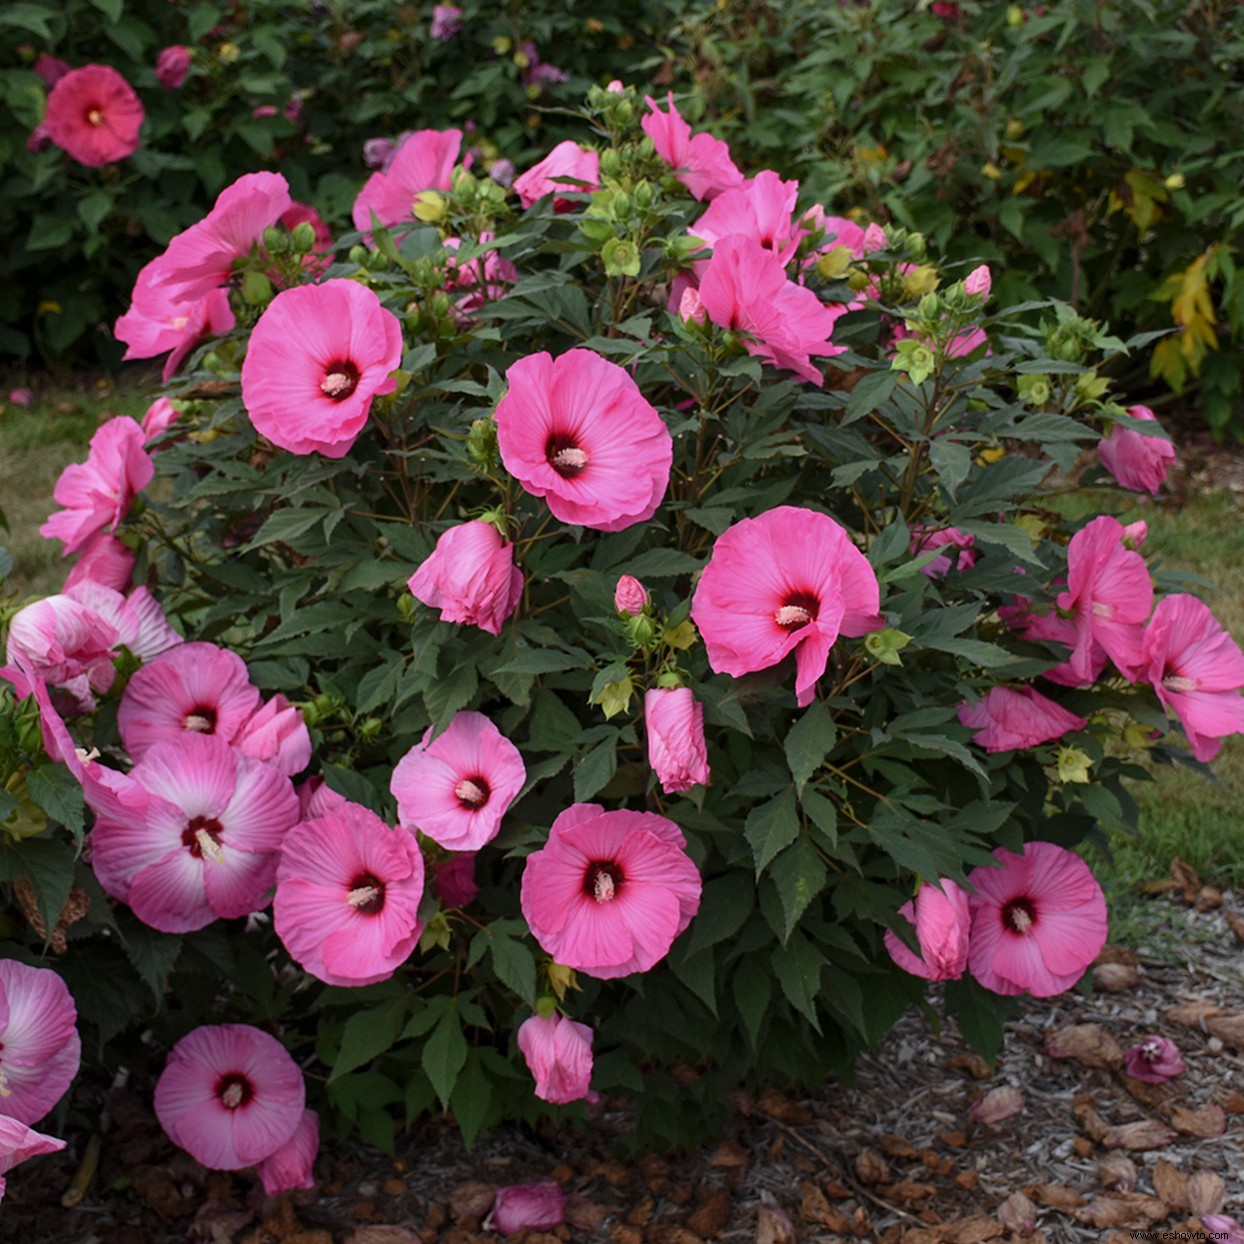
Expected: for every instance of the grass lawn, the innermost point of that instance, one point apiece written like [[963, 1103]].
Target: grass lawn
[[1183, 814]]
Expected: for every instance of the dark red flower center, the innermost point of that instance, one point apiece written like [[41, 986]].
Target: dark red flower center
[[202, 837], [1019, 916], [797, 609], [565, 456], [234, 1090], [603, 880], [366, 894], [201, 719], [341, 378], [473, 792]]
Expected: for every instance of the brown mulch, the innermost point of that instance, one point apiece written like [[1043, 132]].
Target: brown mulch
[[897, 1158]]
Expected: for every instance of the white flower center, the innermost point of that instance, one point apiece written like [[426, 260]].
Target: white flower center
[[197, 724], [232, 1096], [570, 459], [209, 848], [336, 383], [1177, 682], [1020, 920], [5, 1091], [792, 615], [362, 896], [603, 888], [95, 117], [1102, 610], [471, 793]]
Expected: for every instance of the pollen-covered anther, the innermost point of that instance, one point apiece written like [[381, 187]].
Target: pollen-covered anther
[[232, 1096], [336, 383], [470, 793], [1177, 682], [569, 459], [792, 615], [1102, 610], [197, 724], [1021, 921], [209, 848], [361, 897], [95, 117], [603, 888]]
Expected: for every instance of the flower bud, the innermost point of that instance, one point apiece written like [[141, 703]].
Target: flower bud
[[677, 751], [481, 443], [430, 207], [834, 263], [630, 596], [360, 255], [885, 645], [920, 280], [691, 309], [1174, 182], [304, 237], [978, 282], [256, 289]]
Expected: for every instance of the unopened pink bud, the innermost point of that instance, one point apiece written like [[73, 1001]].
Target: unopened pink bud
[[630, 596], [1135, 534], [615, 87], [691, 307], [979, 281]]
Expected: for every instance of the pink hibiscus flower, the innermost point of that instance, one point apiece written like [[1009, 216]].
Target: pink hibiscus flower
[[104, 560], [230, 1095], [292, 1165], [18, 1142], [1197, 669], [470, 577], [40, 1049], [1137, 461], [192, 834], [478, 282], [97, 493], [65, 643], [456, 788], [1154, 1060], [1037, 922], [787, 581], [453, 879], [317, 357], [347, 896], [610, 891], [1109, 595], [940, 916], [559, 1055], [674, 722], [577, 431], [1010, 718], [424, 161], [94, 115], [172, 66], [761, 210], [565, 165], [702, 163], [960, 545], [745, 288], [200, 259]]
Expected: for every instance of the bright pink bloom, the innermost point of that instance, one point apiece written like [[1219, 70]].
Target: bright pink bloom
[[939, 913], [1154, 1060], [456, 788], [479, 281], [1011, 718], [453, 879], [702, 163], [691, 309], [1197, 669], [316, 798], [610, 891], [761, 209], [195, 688], [160, 416], [200, 258], [292, 1165], [1037, 922], [424, 161], [347, 896], [97, 493], [39, 1044], [192, 834], [446, 21], [527, 1207], [674, 720], [317, 357], [172, 66], [1223, 1228], [470, 577], [276, 733], [561, 169], [962, 548], [139, 621], [559, 1055], [95, 115], [1109, 595], [630, 596], [18, 1142], [21, 397], [787, 581], [230, 1095], [50, 68], [979, 282], [1137, 461], [577, 431], [745, 288]]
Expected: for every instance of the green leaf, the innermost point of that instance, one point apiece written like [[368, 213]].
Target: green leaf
[[799, 874], [951, 461], [153, 954], [753, 988], [699, 974], [771, 826], [47, 864], [808, 742], [798, 966], [822, 813], [444, 1055], [594, 771], [32, 17], [662, 564], [111, 9], [94, 208], [725, 904], [472, 1100], [449, 694], [368, 1034], [59, 794], [980, 1014], [50, 231], [515, 966]]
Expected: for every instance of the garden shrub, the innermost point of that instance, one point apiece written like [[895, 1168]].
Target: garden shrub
[[654, 630]]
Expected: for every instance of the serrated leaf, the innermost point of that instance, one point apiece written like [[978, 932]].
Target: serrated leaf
[[725, 904], [153, 954], [799, 874], [808, 742], [472, 1100], [595, 770], [770, 827], [444, 1054], [368, 1034], [798, 966], [753, 988], [980, 1014], [47, 864], [822, 813], [59, 794], [515, 967], [662, 564], [951, 461]]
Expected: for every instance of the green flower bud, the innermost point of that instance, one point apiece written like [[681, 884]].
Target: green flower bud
[[610, 163], [275, 241], [304, 238], [481, 443], [621, 257], [256, 289], [359, 254]]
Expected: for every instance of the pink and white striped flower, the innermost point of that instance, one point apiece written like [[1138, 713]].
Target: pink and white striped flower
[[39, 1044]]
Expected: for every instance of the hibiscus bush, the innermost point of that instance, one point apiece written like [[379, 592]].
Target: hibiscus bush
[[620, 637]]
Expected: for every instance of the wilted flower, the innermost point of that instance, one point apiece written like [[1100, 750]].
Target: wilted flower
[[559, 1055], [446, 21], [172, 66], [291, 1166], [1154, 1060], [470, 577], [94, 115], [674, 723], [1009, 718], [316, 359], [19, 1142], [39, 1044], [1037, 922], [787, 581], [526, 1207], [230, 1095], [996, 1105], [1223, 1228], [1137, 461], [610, 891], [940, 915]]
